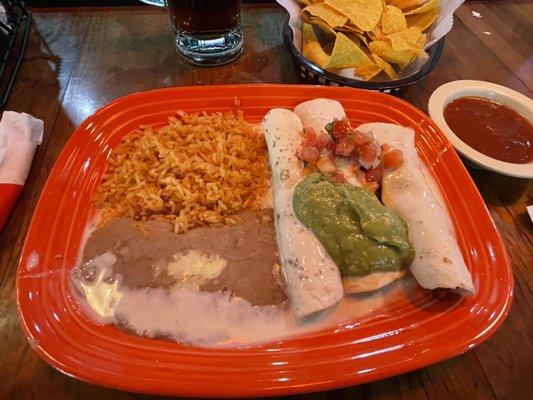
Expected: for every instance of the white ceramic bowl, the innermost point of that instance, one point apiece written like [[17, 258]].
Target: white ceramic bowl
[[514, 100]]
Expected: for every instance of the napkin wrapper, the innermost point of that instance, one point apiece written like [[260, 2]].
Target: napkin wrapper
[[20, 134]]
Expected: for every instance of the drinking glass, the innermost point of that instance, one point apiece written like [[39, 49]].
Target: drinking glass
[[206, 32]]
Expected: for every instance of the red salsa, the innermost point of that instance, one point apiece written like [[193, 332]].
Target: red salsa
[[491, 128]]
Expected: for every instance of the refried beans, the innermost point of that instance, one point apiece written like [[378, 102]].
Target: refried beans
[[143, 249]]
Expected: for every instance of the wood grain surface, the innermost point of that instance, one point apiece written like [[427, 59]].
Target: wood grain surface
[[81, 58]]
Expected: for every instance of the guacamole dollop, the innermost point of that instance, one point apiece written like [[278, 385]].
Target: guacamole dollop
[[359, 233]]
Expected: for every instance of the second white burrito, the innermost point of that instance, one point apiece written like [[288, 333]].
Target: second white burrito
[[438, 262]]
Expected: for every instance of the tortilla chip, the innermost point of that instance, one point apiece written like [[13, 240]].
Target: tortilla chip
[[385, 66], [311, 48], [422, 41], [406, 40], [323, 26], [331, 16], [423, 21], [362, 39], [347, 54], [365, 14], [372, 281], [376, 33], [421, 44], [392, 20], [367, 71], [354, 37], [403, 4], [430, 5], [385, 51], [348, 27]]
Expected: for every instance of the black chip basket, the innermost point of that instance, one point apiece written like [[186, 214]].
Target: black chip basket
[[15, 22], [310, 73]]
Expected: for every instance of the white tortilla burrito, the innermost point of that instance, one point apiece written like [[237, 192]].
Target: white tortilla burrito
[[313, 279], [316, 114], [408, 192]]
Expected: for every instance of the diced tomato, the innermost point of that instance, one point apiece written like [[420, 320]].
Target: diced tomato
[[309, 133], [309, 153], [341, 128], [324, 141], [310, 143], [309, 138], [344, 146], [368, 153], [354, 159], [374, 174], [338, 176], [392, 159], [325, 165], [361, 138]]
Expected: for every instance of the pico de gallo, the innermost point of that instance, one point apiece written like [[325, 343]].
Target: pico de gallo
[[348, 155]]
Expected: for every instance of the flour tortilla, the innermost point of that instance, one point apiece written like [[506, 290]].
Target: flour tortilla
[[371, 281], [316, 114], [312, 277], [410, 192]]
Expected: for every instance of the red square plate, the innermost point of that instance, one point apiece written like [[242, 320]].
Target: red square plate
[[407, 334]]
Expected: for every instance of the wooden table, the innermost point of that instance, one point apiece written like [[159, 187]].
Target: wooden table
[[79, 59]]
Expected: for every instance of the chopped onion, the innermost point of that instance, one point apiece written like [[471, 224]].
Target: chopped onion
[[325, 165]]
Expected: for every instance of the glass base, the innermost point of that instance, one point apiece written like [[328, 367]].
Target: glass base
[[210, 48]]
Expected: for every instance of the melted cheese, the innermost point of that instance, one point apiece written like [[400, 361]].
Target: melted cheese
[[102, 297], [195, 267]]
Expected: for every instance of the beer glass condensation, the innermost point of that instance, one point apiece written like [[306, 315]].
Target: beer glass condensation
[[207, 32]]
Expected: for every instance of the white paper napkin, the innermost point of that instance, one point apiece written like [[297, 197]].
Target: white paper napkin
[[20, 134]]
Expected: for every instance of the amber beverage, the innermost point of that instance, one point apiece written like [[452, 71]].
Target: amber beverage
[[207, 32]]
